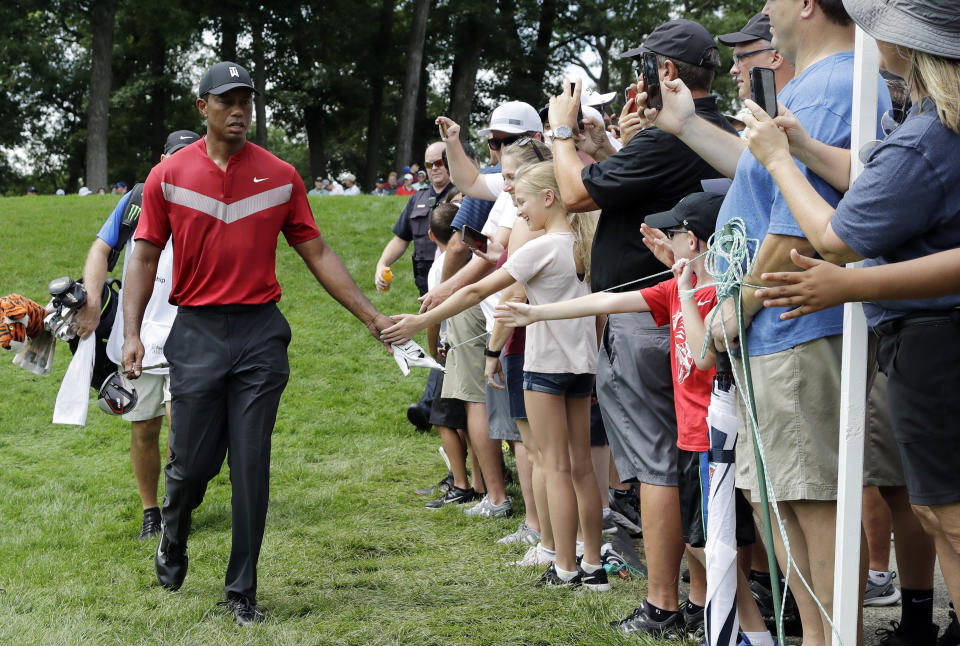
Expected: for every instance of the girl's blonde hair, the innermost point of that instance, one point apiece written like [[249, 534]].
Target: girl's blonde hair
[[538, 177], [938, 78], [527, 152]]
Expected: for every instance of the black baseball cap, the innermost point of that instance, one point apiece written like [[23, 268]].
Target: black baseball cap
[[681, 39], [224, 77], [757, 28], [696, 212], [179, 139]]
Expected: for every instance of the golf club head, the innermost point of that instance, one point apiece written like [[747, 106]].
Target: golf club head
[[117, 395]]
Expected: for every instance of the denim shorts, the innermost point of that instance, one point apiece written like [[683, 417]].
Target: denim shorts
[[566, 384], [513, 371]]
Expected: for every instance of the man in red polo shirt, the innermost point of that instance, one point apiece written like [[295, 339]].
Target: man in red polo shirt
[[224, 201]]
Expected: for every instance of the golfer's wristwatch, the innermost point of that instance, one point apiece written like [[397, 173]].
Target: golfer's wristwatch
[[562, 132]]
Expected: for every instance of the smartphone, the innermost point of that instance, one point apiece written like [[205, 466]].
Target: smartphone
[[651, 81], [579, 108], [631, 93], [443, 129], [474, 239], [763, 89]]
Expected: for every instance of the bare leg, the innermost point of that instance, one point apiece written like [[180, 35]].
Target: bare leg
[[488, 451], [697, 562], [456, 453], [540, 513], [145, 458], [525, 474], [615, 482], [477, 473], [943, 523], [916, 553], [600, 456], [584, 477], [877, 523], [662, 542], [548, 421]]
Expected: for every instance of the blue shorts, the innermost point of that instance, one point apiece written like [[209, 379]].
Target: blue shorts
[[566, 384], [513, 372]]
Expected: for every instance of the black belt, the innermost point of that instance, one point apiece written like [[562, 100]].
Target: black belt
[[919, 318], [225, 309]]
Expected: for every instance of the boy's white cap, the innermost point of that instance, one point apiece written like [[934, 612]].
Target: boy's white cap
[[515, 117]]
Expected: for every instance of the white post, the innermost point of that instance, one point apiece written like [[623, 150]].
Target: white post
[[846, 575]]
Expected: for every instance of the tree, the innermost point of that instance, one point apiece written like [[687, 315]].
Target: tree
[[376, 76], [102, 14], [411, 84]]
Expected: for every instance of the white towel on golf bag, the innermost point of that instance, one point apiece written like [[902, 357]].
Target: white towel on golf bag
[[411, 354], [74, 396]]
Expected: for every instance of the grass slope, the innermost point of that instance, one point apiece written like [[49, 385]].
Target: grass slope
[[350, 555]]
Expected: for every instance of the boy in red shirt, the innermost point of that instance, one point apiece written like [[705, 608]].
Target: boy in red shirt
[[682, 304]]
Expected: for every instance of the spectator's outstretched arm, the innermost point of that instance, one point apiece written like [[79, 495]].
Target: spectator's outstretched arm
[[719, 148], [463, 172], [824, 284], [137, 289], [391, 253], [330, 272], [567, 165], [770, 146], [94, 273]]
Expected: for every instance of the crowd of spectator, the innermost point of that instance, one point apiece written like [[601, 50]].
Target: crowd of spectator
[[543, 292]]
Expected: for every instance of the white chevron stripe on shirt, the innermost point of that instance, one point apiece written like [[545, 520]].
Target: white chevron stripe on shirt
[[227, 213]]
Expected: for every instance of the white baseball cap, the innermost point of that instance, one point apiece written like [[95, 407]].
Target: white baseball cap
[[515, 117], [589, 97]]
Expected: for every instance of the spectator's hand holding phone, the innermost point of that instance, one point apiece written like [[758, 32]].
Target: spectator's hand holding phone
[[450, 126], [768, 142], [631, 120], [564, 107], [678, 107]]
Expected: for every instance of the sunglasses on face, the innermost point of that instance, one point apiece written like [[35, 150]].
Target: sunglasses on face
[[523, 141], [738, 58], [429, 164], [672, 232], [496, 143]]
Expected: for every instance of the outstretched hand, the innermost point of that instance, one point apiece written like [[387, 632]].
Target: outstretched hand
[[768, 142], [821, 285], [378, 325], [515, 314], [453, 128], [563, 108], [403, 328]]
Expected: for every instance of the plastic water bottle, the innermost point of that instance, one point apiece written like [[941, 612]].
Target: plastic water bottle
[[387, 276]]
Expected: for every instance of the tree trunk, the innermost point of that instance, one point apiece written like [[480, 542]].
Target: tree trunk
[[229, 30], [421, 134], [540, 56], [603, 51], [259, 82], [313, 124], [411, 84], [102, 14], [158, 99], [463, 82], [375, 116]]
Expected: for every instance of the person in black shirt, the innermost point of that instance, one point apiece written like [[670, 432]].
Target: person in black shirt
[[648, 175]]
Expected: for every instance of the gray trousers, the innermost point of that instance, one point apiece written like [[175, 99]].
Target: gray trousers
[[228, 368]]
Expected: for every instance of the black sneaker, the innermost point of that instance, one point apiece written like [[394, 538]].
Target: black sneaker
[[440, 488], [171, 563], [625, 508], [551, 579], [640, 621], [454, 496], [596, 580], [694, 621], [760, 588], [899, 637], [951, 636], [245, 611], [151, 524]]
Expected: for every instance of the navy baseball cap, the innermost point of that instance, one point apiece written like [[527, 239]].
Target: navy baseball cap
[[696, 212], [757, 28], [179, 139], [224, 77], [120, 185], [683, 40]]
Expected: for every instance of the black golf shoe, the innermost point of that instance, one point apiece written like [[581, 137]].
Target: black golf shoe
[[171, 563]]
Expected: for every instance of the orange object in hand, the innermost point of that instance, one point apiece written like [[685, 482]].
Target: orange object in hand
[[387, 278]]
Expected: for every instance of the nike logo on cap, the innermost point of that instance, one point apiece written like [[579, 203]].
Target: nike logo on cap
[[182, 137], [257, 180]]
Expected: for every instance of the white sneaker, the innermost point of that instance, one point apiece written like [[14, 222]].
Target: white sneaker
[[535, 557], [523, 535], [486, 509]]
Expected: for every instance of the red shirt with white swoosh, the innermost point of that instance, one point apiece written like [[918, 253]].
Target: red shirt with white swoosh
[[225, 225]]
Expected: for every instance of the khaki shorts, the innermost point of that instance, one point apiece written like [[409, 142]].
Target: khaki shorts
[[464, 378], [797, 395], [153, 391]]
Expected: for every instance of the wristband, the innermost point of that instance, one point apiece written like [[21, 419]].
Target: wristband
[[487, 352], [686, 295]]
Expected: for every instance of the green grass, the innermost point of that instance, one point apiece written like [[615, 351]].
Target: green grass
[[350, 555]]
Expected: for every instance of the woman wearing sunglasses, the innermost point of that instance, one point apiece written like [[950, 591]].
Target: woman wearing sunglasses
[[905, 206]]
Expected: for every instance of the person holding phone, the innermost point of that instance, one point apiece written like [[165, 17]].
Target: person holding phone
[[650, 174], [752, 47]]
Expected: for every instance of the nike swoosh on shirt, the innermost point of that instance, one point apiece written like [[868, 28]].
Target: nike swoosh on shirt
[[227, 213], [257, 180], [703, 302]]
